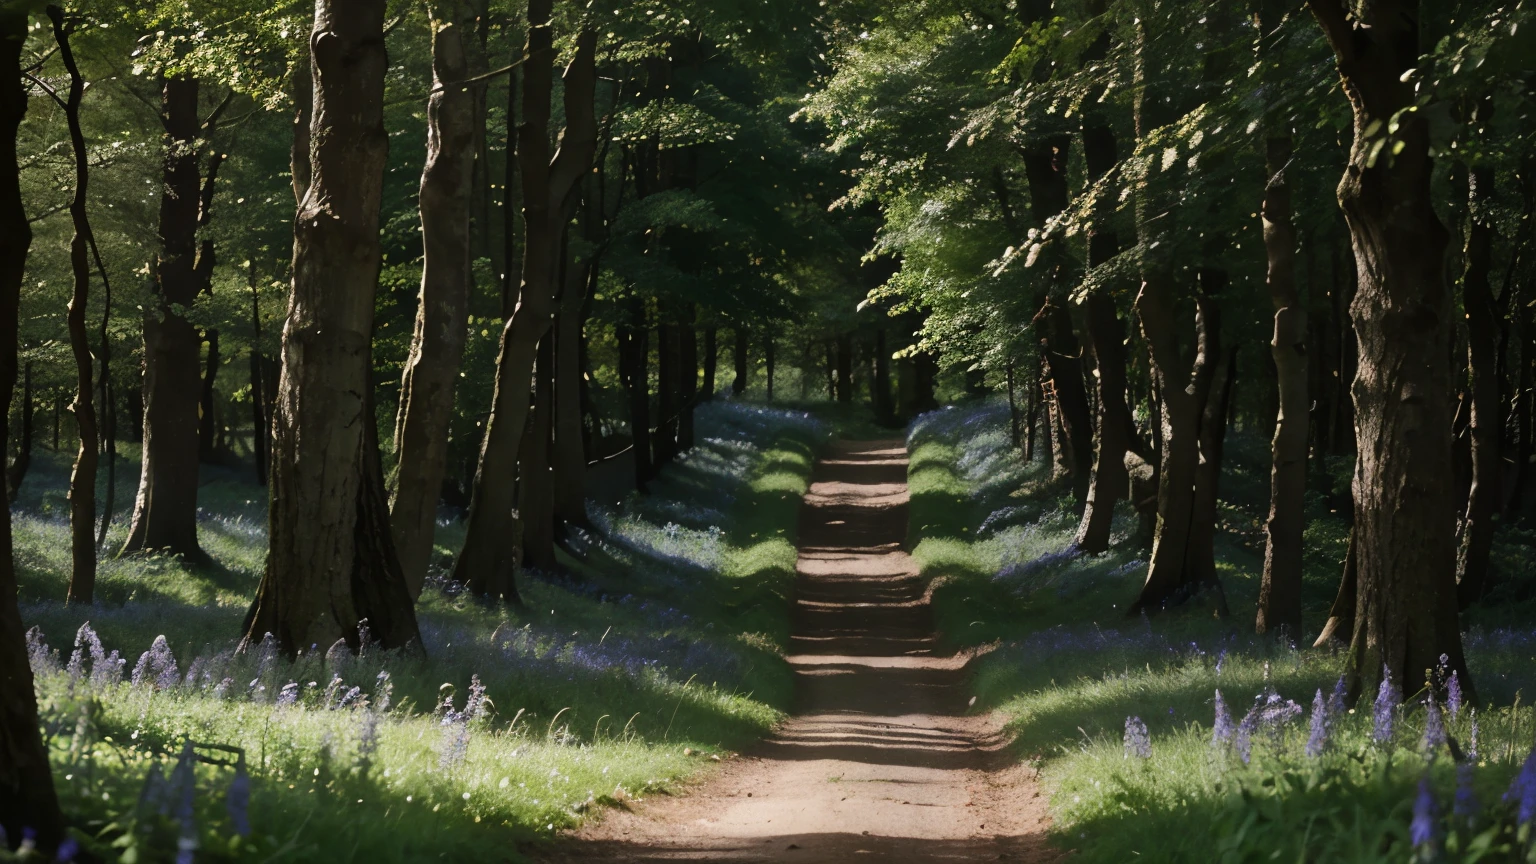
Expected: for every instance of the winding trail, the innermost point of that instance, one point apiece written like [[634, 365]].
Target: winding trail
[[881, 762]]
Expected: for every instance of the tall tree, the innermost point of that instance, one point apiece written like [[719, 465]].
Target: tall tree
[[550, 186], [437, 345], [331, 562], [27, 797], [1280, 588], [1404, 532], [165, 510], [82, 480]]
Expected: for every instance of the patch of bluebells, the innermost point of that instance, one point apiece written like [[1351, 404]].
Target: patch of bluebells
[[1138, 741], [1522, 791], [1424, 831], [1384, 709]]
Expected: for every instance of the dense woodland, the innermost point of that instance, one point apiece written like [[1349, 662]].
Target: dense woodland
[[433, 272]]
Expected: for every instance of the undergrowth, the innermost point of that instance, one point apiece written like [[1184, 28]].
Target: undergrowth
[[659, 648], [1121, 716]]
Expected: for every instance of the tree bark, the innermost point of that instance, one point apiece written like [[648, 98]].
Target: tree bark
[[1485, 497], [711, 362], [1064, 365], [1115, 432], [82, 480], [688, 377], [1280, 586], [27, 798], [165, 510], [331, 561], [17, 471], [739, 386], [845, 368], [261, 428], [668, 359], [207, 425], [550, 187], [437, 343], [768, 359], [570, 457], [536, 494], [1405, 553], [634, 371], [885, 411]]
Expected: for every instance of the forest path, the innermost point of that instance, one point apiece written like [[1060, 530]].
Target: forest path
[[881, 761]]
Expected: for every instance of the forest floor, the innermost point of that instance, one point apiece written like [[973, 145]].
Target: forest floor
[[883, 756]]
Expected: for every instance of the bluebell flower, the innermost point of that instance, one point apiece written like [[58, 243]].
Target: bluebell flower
[[1434, 725], [1522, 792], [1472, 741], [1466, 805], [1336, 699], [1223, 727], [67, 850], [1426, 816], [1317, 740], [1453, 695], [289, 695], [1138, 742], [1387, 699], [157, 666]]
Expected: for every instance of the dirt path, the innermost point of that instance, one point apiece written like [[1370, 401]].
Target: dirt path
[[881, 762]]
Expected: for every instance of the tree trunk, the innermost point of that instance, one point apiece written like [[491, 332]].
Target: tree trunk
[[1015, 429], [82, 480], [1405, 552], [570, 457], [668, 350], [1115, 432], [207, 425], [261, 429], [688, 378], [1280, 587], [1116, 427], [437, 343], [27, 798], [845, 369], [535, 490], [739, 386], [1341, 617], [1031, 412], [165, 510], [17, 471], [885, 411], [1064, 365], [1485, 497], [768, 359], [711, 362], [634, 371], [550, 189], [1170, 580], [331, 561]]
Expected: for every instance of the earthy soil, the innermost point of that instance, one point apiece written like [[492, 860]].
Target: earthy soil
[[882, 761]]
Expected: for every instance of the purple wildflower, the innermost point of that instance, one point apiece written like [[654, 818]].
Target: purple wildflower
[[1317, 740], [1387, 699], [347, 698], [367, 740], [455, 726], [1434, 725], [87, 643], [1336, 699], [289, 695], [1221, 660], [1223, 727], [1453, 695], [67, 851], [1242, 742], [1426, 816], [474, 705], [39, 656], [157, 666], [1466, 805], [221, 690], [237, 801], [1138, 742], [1472, 742], [1522, 792], [1275, 712]]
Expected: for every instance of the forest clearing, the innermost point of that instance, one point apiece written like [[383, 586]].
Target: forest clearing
[[768, 430]]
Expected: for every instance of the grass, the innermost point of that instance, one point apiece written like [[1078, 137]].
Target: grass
[[1070, 671], [659, 647]]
